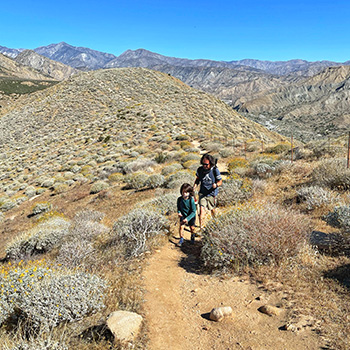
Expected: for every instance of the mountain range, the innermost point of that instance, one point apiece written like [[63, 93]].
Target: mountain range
[[310, 98]]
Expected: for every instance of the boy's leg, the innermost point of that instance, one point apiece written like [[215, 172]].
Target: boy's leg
[[181, 234]]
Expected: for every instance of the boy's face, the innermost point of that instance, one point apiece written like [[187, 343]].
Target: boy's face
[[185, 195]]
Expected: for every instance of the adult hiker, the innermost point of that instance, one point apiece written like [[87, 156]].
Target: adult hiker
[[209, 177]]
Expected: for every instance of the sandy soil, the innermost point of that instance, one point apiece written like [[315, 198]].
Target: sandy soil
[[179, 299]]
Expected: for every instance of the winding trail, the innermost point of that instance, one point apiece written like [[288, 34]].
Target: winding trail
[[179, 299]]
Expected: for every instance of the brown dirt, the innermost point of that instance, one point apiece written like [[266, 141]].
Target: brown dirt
[[179, 298]]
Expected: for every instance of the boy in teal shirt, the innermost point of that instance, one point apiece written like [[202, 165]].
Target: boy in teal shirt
[[187, 211]]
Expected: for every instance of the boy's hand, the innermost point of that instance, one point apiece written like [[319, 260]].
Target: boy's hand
[[180, 215], [185, 221]]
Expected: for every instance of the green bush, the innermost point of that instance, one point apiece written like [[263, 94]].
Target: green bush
[[165, 204], [315, 196], [41, 208], [171, 168], [250, 236], [98, 186], [155, 181]]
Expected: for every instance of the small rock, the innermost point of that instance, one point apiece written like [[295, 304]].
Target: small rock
[[217, 314], [124, 325], [270, 310]]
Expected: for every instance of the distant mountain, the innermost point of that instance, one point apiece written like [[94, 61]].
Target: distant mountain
[[78, 57], [230, 85], [148, 59], [54, 69], [10, 52], [312, 108]]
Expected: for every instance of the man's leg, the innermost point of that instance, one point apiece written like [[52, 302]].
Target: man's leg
[[201, 217]]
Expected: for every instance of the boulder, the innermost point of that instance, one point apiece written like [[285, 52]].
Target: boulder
[[124, 325], [218, 313], [270, 310]]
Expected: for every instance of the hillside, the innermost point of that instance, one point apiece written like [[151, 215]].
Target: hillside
[[54, 69], [313, 108], [129, 107]]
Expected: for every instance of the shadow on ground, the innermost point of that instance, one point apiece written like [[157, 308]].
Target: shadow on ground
[[340, 274]]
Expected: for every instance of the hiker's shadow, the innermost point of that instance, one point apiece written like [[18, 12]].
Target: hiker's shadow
[[191, 262]]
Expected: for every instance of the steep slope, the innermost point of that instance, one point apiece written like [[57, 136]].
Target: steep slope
[[14, 70], [312, 108], [54, 69], [10, 52], [78, 57]]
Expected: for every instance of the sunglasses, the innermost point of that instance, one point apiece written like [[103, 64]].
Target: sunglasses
[[206, 164]]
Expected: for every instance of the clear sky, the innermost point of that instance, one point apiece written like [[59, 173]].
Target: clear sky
[[219, 30]]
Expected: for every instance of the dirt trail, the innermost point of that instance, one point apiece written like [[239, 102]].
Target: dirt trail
[[179, 299]]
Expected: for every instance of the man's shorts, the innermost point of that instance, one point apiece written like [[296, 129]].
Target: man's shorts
[[208, 202]]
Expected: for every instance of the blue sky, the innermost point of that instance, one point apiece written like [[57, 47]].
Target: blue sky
[[220, 30]]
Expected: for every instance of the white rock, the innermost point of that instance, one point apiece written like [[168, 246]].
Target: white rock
[[124, 325], [218, 313]]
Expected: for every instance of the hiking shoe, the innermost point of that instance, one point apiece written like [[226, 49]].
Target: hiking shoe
[[193, 236], [181, 241]]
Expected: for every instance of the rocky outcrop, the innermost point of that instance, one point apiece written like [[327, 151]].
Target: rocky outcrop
[[54, 69]]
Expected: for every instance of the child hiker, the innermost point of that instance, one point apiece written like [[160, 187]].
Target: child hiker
[[186, 209]]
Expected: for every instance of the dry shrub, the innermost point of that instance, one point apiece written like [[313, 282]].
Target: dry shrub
[[137, 231], [236, 162], [251, 236], [233, 191], [315, 197], [332, 173]]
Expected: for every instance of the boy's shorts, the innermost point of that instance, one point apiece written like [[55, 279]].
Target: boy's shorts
[[191, 222], [208, 202]]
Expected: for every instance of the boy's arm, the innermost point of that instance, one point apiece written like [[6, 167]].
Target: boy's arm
[[193, 210], [179, 206]]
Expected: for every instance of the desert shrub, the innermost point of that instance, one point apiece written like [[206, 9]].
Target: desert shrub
[[182, 137], [7, 204], [236, 162], [250, 236], [332, 173], [278, 149], [340, 218], [36, 344], [60, 188], [165, 204], [225, 152], [191, 156], [191, 165], [45, 296], [137, 230], [98, 186], [155, 181], [40, 239], [171, 168], [259, 185], [2, 216], [192, 150], [30, 191], [139, 164], [161, 157], [76, 253], [177, 179], [315, 196], [212, 146], [78, 249], [233, 191], [136, 180], [265, 167], [48, 182], [116, 177], [185, 144], [41, 208]]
